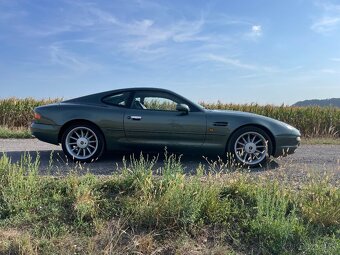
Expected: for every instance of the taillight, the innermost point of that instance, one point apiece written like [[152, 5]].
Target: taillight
[[37, 116]]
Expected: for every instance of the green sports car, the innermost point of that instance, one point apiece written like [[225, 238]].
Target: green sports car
[[150, 119]]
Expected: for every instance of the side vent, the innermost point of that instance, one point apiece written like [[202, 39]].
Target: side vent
[[220, 124]]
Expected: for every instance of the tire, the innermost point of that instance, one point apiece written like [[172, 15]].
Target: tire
[[250, 146], [83, 142]]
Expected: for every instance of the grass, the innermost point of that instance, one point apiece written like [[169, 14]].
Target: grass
[[322, 140], [18, 133], [143, 210]]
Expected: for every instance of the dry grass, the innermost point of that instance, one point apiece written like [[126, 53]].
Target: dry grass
[[322, 140]]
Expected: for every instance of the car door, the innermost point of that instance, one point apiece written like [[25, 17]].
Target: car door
[[153, 121]]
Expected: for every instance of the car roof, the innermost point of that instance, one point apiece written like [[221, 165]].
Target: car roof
[[139, 89], [97, 97]]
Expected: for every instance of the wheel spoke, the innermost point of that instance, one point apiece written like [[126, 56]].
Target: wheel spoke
[[241, 143], [257, 141]]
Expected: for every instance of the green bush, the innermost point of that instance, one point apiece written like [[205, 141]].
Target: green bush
[[275, 228]]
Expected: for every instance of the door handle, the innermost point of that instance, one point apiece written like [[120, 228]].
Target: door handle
[[135, 117]]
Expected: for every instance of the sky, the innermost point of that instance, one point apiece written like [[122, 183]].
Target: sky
[[254, 51]]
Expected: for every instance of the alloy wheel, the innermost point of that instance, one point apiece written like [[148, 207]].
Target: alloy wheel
[[81, 143], [251, 148]]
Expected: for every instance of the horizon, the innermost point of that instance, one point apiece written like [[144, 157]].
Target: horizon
[[240, 52]]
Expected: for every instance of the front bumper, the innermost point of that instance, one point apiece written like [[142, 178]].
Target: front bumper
[[286, 144], [45, 133]]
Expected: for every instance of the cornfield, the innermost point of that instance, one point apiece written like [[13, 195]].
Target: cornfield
[[17, 113], [311, 121]]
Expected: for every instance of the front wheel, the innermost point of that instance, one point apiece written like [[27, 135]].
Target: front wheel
[[250, 146], [83, 142]]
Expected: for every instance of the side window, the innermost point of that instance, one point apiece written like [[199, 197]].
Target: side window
[[159, 103], [154, 101], [119, 99]]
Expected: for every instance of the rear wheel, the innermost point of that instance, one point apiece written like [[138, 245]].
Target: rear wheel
[[83, 142], [250, 146]]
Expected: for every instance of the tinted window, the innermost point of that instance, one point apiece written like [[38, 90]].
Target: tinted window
[[120, 99]]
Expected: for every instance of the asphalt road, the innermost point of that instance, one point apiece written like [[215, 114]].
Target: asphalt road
[[307, 160]]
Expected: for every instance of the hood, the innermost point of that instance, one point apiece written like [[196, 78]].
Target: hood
[[254, 118]]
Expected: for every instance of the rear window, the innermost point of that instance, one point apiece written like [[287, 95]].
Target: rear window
[[119, 99]]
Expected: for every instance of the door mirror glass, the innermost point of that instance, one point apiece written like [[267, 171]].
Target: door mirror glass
[[182, 108]]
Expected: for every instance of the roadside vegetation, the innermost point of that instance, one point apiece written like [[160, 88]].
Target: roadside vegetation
[[322, 140], [14, 132], [143, 210]]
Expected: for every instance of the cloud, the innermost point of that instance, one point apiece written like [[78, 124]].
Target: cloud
[[326, 24], [230, 62], [329, 20], [335, 59], [256, 30], [144, 34], [329, 71], [69, 60], [237, 63], [136, 35], [146, 38]]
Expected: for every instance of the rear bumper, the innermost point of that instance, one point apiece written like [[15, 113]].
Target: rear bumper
[[286, 144], [45, 133]]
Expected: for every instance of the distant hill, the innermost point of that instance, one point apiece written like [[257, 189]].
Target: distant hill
[[319, 102]]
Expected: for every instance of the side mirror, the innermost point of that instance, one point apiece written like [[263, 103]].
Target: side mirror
[[182, 108]]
